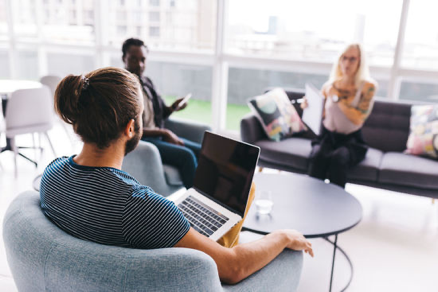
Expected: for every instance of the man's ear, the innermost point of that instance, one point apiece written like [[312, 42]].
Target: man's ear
[[130, 129], [123, 59]]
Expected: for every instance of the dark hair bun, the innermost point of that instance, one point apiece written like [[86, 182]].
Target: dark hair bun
[[67, 97], [100, 104]]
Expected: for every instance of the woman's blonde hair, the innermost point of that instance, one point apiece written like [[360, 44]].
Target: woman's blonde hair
[[362, 73]]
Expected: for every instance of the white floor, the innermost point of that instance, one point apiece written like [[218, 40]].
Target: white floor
[[394, 248]]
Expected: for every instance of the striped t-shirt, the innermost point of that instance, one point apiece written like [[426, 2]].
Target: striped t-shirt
[[109, 206]]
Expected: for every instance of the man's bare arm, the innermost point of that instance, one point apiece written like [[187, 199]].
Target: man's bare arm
[[237, 263]]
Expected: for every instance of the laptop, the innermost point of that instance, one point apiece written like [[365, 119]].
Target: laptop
[[221, 187]]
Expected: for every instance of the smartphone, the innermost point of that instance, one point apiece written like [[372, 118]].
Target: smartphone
[[184, 100]]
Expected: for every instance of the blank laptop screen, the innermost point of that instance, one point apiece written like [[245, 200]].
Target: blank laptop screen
[[225, 170]]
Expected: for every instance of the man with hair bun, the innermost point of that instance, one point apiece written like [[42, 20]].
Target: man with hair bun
[[176, 151], [90, 197]]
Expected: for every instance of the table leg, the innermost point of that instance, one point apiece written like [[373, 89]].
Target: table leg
[[8, 141], [7, 147], [4, 102], [335, 246], [28, 159]]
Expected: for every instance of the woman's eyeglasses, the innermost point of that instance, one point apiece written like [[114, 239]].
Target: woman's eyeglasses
[[351, 59]]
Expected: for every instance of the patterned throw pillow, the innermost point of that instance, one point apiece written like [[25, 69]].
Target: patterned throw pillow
[[423, 138], [277, 115]]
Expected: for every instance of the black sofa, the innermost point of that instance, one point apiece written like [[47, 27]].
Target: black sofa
[[385, 165]]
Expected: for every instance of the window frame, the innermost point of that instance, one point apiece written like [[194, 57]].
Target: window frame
[[218, 58]]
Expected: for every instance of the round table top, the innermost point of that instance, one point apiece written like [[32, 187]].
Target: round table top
[[308, 205], [9, 86]]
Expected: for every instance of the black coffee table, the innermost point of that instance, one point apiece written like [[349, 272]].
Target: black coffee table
[[308, 205]]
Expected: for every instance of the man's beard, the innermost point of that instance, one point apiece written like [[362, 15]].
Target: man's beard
[[132, 143]]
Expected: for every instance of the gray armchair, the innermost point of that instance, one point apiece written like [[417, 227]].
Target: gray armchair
[[163, 179], [44, 258]]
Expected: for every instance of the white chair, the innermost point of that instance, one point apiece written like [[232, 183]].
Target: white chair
[[52, 82], [29, 111], [2, 130]]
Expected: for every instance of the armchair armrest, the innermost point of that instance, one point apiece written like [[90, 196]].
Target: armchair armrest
[[282, 274], [187, 129], [251, 130], [144, 163]]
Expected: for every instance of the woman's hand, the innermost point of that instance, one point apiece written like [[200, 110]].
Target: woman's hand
[[304, 103]]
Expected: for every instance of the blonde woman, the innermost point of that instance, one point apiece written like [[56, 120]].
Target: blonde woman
[[349, 97]]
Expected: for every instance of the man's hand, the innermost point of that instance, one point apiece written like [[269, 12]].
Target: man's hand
[[170, 137], [297, 241], [175, 107]]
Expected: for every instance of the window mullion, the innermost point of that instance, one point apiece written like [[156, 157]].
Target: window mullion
[[220, 71], [394, 82], [12, 42]]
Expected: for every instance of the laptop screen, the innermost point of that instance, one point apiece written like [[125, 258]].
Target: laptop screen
[[225, 170]]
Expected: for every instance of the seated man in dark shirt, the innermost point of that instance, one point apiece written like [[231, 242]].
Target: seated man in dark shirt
[[90, 197], [174, 150]]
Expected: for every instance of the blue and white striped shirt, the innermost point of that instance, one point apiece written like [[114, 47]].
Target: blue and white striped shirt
[[109, 206]]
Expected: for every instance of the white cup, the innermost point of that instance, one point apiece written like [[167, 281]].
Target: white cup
[[264, 202]]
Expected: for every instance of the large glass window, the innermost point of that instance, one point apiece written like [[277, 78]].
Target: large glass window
[[176, 80], [419, 91], [76, 36], [187, 25], [4, 64], [382, 87], [27, 64], [313, 30], [70, 22], [3, 21], [246, 83], [420, 50], [63, 64], [25, 22]]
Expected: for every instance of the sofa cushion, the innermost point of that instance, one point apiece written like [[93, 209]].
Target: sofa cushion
[[423, 138], [172, 175], [408, 170], [292, 152], [277, 115], [368, 169], [387, 127]]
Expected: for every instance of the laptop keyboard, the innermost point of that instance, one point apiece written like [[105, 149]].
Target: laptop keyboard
[[202, 218]]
